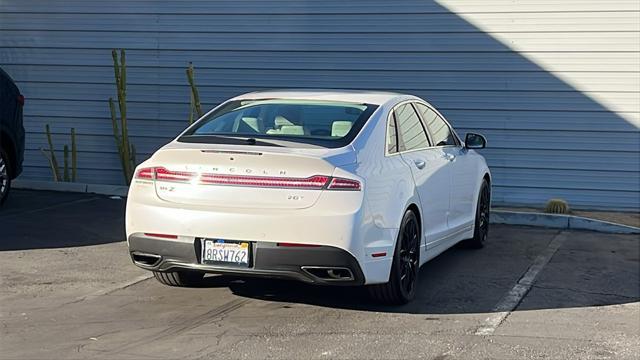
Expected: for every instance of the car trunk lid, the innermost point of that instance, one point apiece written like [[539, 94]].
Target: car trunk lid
[[255, 177]]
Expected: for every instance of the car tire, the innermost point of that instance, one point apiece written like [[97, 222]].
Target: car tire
[[179, 278], [5, 176], [483, 212], [405, 267]]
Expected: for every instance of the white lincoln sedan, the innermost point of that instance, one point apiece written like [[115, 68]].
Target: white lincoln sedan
[[325, 187]]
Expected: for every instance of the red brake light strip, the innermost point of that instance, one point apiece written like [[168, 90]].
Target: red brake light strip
[[179, 176], [145, 173], [163, 236], [344, 184], [316, 182], [313, 182]]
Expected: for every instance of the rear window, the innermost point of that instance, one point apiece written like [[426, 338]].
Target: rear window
[[324, 123]]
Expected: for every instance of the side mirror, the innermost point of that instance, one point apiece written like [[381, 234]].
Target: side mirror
[[475, 141]]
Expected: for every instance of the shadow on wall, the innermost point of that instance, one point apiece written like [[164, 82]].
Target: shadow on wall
[[546, 138]]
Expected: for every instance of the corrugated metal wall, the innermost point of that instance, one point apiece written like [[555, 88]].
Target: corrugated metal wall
[[555, 86]]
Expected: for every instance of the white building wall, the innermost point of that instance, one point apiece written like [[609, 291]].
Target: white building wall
[[554, 85]]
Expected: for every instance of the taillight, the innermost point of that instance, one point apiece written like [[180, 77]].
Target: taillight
[[317, 182], [21, 100], [162, 174], [145, 173], [179, 176], [313, 182], [344, 184]]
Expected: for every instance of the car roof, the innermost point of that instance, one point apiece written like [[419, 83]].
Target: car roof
[[355, 96]]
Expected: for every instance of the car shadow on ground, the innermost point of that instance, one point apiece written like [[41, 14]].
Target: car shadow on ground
[[591, 269], [48, 219]]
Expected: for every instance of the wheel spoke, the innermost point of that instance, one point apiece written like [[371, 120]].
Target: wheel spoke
[[409, 285], [408, 255], [483, 213], [4, 176]]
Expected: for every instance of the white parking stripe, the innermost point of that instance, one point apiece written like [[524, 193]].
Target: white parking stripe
[[509, 302]]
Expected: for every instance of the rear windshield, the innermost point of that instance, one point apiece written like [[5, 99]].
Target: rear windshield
[[323, 123]]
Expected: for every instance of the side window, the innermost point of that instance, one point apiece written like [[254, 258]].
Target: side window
[[412, 134], [440, 132], [392, 137]]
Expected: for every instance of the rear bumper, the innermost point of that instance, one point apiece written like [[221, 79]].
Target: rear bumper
[[307, 264], [338, 221]]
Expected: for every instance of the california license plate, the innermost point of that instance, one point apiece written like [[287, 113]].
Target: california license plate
[[225, 251]]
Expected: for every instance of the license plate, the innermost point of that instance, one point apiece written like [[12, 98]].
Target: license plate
[[225, 251]]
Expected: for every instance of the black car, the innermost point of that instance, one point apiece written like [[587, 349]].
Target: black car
[[11, 133]]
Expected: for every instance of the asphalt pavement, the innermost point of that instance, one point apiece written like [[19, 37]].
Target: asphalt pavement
[[68, 290]]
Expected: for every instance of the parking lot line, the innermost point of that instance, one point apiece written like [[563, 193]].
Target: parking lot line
[[512, 298]]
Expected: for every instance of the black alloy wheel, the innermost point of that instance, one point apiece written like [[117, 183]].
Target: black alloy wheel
[[409, 256], [483, 215], [403, 278], [5, 179]]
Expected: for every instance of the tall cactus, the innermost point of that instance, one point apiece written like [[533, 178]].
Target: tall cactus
[[126, 150], [74, 156], [194, 105], [50, 155], [66, 164]]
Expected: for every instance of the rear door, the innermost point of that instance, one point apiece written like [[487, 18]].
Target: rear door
[[430, 172], [463, 170]]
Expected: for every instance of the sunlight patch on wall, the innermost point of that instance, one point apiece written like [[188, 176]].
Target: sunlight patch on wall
[[592, 46]]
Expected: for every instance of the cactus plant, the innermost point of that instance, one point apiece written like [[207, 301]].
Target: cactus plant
[[194, 105], [50, 155], [191, 109], [66, 164], [557, 206], [74, 156], [126, 150]]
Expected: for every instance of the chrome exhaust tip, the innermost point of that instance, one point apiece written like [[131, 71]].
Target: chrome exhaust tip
[[144, 259], [328, 273]]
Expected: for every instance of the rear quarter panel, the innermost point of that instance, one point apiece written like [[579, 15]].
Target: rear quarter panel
[[389, 190], [389, 184]]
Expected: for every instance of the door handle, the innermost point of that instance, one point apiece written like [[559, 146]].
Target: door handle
[[449, 157], [420, 164]]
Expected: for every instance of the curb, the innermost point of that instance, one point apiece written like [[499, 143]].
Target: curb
[[559, 221], [556, 221], [118, 190]]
